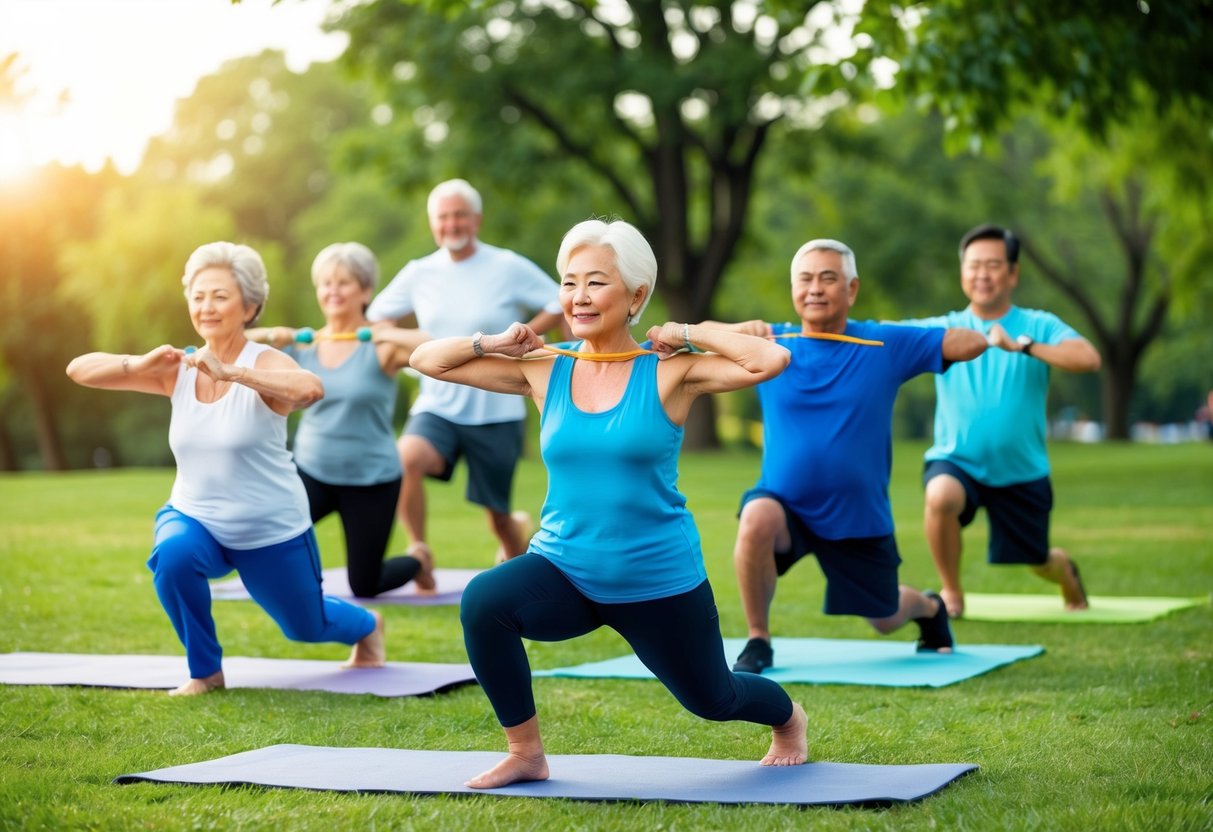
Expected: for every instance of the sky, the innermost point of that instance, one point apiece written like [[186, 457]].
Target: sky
[[123, 64]]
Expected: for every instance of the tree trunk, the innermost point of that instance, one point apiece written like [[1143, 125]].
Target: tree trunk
[[8, 454], [1119, 379], [46, 428]]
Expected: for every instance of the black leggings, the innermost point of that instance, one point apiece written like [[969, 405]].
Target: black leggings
[[677, 638], [367, 515]]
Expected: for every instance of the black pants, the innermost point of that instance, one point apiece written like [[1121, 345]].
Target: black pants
[[677, 638], [368, 513]]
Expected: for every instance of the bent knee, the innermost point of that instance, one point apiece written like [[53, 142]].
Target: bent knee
[[760, 524], [485, 600], [944, 495]]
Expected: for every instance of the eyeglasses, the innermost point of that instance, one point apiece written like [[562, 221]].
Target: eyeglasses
[[988, 265]]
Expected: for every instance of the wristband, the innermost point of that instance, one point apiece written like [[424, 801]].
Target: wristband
[[476, 348]]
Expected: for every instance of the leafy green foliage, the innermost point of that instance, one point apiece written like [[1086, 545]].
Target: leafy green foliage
[[983, 64]]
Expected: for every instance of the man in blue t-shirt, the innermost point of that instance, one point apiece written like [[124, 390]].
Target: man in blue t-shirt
[[827, 454], [989, 449]]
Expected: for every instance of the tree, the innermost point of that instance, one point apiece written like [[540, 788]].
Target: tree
[[1126, 89], [667, 106]]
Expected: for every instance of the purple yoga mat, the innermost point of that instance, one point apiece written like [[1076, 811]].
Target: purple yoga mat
[[451, 583], [577, 776], [156, 672]]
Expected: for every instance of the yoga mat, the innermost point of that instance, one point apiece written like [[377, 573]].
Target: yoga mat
[[825, 661], [140, 671], [336, 582], [577, 776], [1104, 609]]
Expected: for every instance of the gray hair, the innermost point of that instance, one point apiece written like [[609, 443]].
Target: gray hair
[[633, 255], [454, 187], [244, 263], [849, 270], [355, 258]]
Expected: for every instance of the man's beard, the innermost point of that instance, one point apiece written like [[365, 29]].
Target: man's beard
[[455, 244]]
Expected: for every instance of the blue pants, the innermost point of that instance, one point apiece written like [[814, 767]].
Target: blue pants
[[284, 579], [678, 638]]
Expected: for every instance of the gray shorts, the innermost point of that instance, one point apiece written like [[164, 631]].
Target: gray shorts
[[492, 453]]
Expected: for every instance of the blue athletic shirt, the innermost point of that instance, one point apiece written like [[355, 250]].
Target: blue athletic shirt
[[990, 412], [613, 521], [346, 438], [827, 424]]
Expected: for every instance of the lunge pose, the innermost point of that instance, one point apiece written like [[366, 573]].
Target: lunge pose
[[616, 545], [237, 502], [827, 456]]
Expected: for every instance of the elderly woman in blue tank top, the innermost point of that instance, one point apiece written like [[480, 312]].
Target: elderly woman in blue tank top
[[237, 502], [345, 448], [616, 544]]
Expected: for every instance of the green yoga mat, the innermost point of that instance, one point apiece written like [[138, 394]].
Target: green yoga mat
[[1104, 609]]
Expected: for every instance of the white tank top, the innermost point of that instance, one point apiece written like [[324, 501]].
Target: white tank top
[[235, 475]]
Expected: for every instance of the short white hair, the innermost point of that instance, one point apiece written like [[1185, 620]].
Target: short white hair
[[355, 258], [454, 187], [243, 262], [633, 255], [849, 270]]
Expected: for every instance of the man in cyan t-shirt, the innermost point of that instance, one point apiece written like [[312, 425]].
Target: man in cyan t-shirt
[[827, 455], [989, 449], [466, 287]]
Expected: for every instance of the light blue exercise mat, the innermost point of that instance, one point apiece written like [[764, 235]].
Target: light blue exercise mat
[[336, 582], [578, 776], [1048, 609], [828, 661]]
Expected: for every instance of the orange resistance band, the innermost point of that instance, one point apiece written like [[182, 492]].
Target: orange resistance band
[[591, 356]]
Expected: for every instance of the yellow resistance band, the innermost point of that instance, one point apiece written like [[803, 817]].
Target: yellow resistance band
[[830, 336]]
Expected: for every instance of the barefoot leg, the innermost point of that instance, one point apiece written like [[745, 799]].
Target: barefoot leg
[[370, 650], [196, 686], [424, 579], [525, 761], [789, 742]]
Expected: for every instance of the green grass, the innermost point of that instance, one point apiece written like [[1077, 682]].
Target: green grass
[[1110, 729]]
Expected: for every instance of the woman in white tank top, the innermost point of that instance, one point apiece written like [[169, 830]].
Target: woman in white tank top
[[237, 502]]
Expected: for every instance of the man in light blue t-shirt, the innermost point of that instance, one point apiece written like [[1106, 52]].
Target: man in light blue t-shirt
[[989, 449], [464, 288], [827, 455]]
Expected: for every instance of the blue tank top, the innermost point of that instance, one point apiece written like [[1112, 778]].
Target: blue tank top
[[346, 438], [613, 521]]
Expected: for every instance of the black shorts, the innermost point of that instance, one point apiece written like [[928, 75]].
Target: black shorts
[[1018, 514], [491, 450], [860, 572]]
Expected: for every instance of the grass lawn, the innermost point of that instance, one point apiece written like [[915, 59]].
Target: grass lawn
[[1110, 729]]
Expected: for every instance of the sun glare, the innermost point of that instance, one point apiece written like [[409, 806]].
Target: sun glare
[[15, 158]]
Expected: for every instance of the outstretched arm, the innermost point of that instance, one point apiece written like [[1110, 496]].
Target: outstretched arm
[[395, 345], [283, 385], [729, 361], [1075, 355], [494, 368], [960, 344], [154, 372]]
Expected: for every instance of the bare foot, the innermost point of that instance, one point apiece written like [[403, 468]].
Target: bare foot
[[525, 528], [954, 600], [424, 580], [1072, 591], [370, 650], [196, 686], [516, 768], [789, 743]]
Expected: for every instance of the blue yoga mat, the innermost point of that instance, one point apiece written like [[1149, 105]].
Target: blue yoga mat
[[166, 672], [826, 661], [580, 777]]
